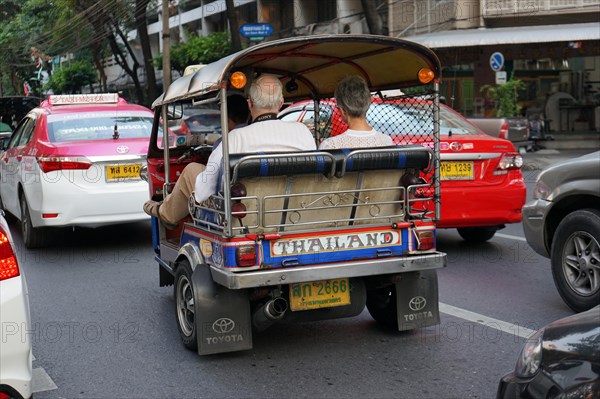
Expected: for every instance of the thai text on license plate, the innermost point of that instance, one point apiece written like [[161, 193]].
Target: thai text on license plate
[[123, 172], [456, 170], [319, 294]]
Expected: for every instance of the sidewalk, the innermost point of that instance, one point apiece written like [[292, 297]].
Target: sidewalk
[[537, 160]]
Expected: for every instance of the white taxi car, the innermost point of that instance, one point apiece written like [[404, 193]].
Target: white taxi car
[[75, 161], [15, 345]]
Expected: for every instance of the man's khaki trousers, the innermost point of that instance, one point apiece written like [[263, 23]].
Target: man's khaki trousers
[[175, 206]]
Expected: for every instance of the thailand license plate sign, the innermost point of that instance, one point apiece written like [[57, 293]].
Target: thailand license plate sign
[[319, 294], [335, 243], [456, 170], [123, 172]]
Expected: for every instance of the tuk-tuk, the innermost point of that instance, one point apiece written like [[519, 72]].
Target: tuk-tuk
[[311, 235]]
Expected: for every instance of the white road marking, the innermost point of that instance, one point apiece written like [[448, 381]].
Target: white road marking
[[511, 237], [486, 321], [42, 381]]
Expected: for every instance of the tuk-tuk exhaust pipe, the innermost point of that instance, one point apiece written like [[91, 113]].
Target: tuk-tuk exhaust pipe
[[269, 313]]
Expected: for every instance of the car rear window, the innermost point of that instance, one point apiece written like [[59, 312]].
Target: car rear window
[[453, 123], [82, 126]]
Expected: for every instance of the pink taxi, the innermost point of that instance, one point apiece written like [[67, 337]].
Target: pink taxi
[[75, 161]]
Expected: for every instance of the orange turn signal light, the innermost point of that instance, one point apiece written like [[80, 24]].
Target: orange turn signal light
[[238, 80], [426, 75]]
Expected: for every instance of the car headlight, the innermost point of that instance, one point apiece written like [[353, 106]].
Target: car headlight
[[541, 190], [531, 356]]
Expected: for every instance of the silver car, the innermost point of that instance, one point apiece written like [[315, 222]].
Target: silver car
[[562, 223]]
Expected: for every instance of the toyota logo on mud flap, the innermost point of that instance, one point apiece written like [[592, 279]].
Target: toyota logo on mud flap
[[417, 303], [223, 325], [122, 149]]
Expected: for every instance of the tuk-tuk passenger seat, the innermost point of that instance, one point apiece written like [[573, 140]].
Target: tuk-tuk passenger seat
[[324, 188]]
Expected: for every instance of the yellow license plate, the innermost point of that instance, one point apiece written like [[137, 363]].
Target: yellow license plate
[[319, 294], [456, 170], [123, 172]]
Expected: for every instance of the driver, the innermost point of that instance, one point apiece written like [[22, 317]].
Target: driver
[[265, 133]]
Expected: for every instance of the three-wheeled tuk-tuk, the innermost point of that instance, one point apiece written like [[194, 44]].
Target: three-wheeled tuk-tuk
[[311, 235]]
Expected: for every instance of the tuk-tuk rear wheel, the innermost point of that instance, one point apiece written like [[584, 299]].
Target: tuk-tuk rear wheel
[[381, 304], [184, 305]]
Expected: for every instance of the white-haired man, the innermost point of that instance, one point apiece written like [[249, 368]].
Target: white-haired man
[[265, 133]]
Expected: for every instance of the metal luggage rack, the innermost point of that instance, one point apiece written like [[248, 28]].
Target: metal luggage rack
[[211, 218], [301, 211]]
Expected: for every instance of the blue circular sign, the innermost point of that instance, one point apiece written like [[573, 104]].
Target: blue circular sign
[[497, 61]]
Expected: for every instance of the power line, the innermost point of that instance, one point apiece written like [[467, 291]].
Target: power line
[[111, 8], [54, 38]]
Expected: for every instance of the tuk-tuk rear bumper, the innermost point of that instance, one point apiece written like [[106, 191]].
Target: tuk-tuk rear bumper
[[272, 277]]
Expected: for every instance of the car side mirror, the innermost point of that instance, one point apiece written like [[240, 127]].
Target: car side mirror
[[174, 111], [144, 173]]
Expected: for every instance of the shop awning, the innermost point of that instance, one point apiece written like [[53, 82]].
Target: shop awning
[[513, 35]]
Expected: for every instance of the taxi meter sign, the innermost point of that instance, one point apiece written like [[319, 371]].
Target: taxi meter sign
[[497, 61], [97, 98]]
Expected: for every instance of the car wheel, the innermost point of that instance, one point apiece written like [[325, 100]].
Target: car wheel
[[184, 305], [381, 304], [32, 237], [575, 259], [477, 234]]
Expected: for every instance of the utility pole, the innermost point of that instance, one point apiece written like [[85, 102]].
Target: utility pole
[[166, 37]]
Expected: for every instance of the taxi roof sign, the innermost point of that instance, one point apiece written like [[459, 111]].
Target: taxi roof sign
[[72, 99]]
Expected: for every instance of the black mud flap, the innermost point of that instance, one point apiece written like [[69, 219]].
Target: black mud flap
[[417, 300], [222, 315]]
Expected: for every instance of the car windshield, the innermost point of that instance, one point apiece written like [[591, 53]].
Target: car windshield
[[204, 121], [452, 123], [412, 119], [81, 126], [396, 119]]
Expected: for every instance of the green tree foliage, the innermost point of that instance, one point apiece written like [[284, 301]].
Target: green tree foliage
[[20, 21], [198, 50], [505, 96], [71, 78]]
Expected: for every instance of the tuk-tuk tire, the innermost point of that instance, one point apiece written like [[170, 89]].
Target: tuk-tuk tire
[[183, 291], [381, 304]]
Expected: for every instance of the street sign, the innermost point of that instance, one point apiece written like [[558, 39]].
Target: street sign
[[256, 30], [500, 77], [497, 61]]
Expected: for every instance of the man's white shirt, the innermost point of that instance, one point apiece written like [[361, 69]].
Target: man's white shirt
[[357, 139], [265, 136]]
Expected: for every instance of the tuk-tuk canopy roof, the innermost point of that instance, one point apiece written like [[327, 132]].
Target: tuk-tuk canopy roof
[[316, 64]]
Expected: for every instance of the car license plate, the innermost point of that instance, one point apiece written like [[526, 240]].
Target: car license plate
[[456, 170], [319, 294], [123, 172]]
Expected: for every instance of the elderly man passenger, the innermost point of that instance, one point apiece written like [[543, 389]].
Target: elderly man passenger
[[265, 133]]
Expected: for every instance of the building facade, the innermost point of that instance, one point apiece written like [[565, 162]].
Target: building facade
[[552, 45]]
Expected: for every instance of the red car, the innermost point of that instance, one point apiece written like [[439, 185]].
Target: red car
[[482, 186]]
